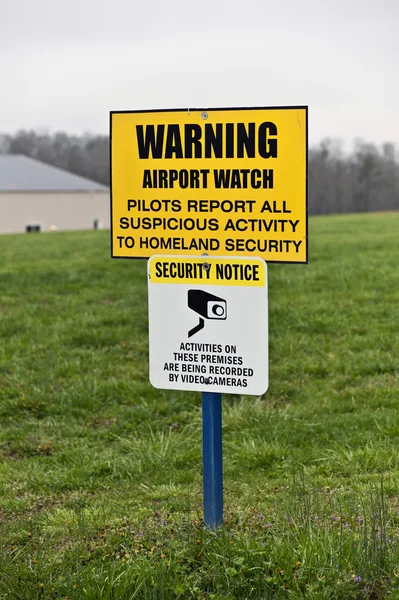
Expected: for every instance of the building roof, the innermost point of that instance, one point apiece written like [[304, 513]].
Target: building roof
[[24, 174]]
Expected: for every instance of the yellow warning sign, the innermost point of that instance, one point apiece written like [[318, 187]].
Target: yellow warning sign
[[202, 271], [228, 182]]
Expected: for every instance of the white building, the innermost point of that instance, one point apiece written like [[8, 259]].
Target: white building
[[35, 196]]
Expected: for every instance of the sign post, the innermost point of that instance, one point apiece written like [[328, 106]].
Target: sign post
[[212, 459], [231, 183], [208, 332]]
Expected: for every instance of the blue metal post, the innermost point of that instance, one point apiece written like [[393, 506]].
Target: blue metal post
[[212, 459]]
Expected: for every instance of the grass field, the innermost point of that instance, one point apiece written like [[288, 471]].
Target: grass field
[[100, 474]]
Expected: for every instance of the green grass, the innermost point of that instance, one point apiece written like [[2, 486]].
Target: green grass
[[100, 474]]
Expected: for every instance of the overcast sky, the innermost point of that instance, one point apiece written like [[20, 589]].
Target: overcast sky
[[64, 64]]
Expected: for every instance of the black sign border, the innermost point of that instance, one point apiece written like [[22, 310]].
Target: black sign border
[[185, 110]]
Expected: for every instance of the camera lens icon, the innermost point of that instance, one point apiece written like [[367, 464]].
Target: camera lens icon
[[217, 310], [207, 306]]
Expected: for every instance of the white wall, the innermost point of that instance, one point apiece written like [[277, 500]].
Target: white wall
[[74, 210]]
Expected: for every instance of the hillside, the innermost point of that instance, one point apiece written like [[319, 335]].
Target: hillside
[[100, 474]]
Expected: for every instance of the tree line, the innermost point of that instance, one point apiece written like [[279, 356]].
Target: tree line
[[364, 179]]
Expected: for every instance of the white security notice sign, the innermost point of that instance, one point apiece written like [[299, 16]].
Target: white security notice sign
[[208, 324]]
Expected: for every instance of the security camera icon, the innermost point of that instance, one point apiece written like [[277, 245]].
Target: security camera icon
[[207, 306]]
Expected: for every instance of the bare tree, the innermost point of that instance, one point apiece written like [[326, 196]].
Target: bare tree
[[365, 179]]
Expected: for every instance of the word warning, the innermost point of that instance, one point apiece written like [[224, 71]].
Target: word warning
[[232, 182], [208, 324]]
